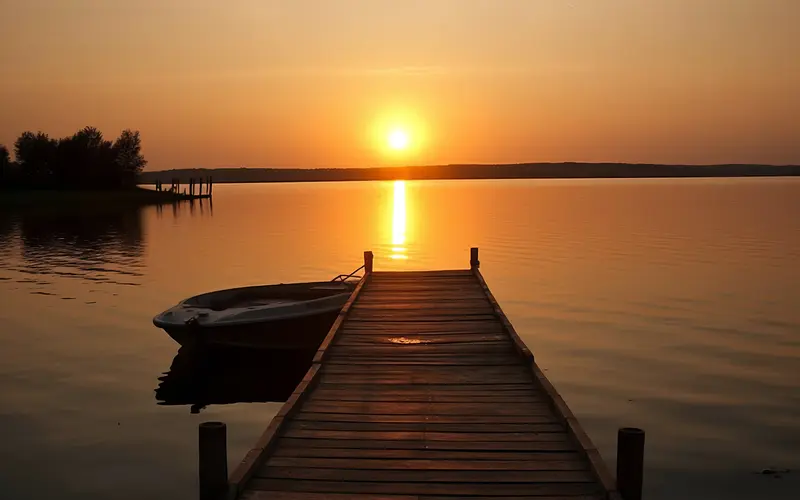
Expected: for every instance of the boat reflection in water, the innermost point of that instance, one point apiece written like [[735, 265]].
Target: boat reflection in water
[[201, 377]]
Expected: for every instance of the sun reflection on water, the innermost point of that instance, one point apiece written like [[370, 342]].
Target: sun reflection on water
[[399, 222]]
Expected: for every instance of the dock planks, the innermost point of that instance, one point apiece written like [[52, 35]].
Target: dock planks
[[422, 390]]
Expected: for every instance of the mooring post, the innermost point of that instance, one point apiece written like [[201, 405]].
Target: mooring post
[[213, 461], [368, 261], [630, 462], [473, 258]]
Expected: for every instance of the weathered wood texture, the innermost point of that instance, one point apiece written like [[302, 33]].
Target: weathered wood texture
[[425, 391]]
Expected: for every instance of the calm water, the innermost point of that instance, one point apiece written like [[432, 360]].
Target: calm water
[[672, 305]]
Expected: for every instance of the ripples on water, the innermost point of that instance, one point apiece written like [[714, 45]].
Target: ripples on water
[[665, 304], [41, 247]]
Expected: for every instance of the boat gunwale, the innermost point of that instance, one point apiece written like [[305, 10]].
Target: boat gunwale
[[308, 310]]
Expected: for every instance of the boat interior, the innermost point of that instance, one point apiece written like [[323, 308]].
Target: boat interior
[[267, 295]]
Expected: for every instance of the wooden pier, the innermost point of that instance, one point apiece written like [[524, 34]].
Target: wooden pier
[[421, 390]]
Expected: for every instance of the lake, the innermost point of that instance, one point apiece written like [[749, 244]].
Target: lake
[[671, 305]]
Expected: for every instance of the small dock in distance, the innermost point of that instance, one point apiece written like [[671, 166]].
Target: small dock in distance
[[422, 389]]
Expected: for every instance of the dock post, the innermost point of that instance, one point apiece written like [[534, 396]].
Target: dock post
[[473, 258], [630, 462], [368, 261], [213, 461]]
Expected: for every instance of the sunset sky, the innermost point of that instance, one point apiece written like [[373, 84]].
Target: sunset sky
[[315, 83]]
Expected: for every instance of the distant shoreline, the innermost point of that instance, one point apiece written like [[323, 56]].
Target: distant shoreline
[[464, 172]]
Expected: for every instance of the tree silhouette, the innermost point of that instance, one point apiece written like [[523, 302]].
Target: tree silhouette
[[5, 165], [36, 154], [129, 160], [84, 160]]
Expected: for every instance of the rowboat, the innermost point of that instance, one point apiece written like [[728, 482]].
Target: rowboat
[[282, 316]]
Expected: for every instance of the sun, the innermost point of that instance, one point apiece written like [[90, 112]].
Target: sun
[[398, 139]]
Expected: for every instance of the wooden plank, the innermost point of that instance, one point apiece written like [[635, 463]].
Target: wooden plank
[[437, 317], [410, 378], [427, 488], [445, 377], [348, 353], [413, 314], [400, 348], [424, 280], [453, 419], [425, 305], [488, 374], [425, 454], [421, 298], [367, 386], [463, 397], [432, 301], [447, 374], [481, 326], [427, 476], [399, 335], [371, 328], [471, 324], [575, 464], [427, 426], [447, 337], [455, 355], [360, 392], [434, 408], [409, 287], [558, 435], [413, 361], [304, 495], [419, 361], [563, 445], [594, 496], [498, 367], [447, 289], [435, 272], [433, 297]]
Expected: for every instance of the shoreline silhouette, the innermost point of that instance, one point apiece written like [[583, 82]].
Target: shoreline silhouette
[[474, 171]]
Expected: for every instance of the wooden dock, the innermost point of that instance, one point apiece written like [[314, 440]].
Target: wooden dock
[[422, 390]]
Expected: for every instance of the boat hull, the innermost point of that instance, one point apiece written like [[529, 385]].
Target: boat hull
[[306, 332]]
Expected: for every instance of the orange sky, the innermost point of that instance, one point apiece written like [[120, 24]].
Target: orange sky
[[320, 83]]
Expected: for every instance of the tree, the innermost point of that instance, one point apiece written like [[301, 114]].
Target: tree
[[85, 160], [36, 155], [5, 165], [129, 159]]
